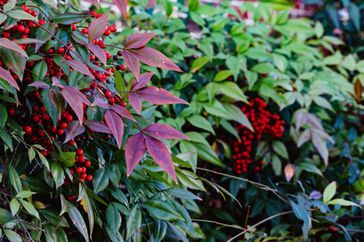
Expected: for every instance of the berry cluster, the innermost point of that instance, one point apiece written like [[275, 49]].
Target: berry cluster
[[266, 126]]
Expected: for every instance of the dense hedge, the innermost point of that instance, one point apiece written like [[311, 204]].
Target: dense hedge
[[251, 130]]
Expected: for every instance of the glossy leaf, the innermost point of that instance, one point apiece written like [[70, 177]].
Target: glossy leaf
[[164, 131], [116, 126], [74, 129], [136, 41], [97, 27], [78, 221], [98, 126], [159, 96], [98, 52], [132, 63], [329, 192], [5, 74], [75, 99], [80, 67], [6, 43]]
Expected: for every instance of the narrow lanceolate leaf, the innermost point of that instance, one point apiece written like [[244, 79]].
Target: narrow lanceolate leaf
[[28, 41], [97, 27], [132, 63], [116, 125], [122, 6], [160, 153], [75, 99], [74, 129], [6, 75], [155, 58], [159, 96], [98, 52], [139, 40], [164, 131], [329, 192], [134, 150], [6, 43], [123, 112], [78, 221], [143, 80], [80, 67], [39, 84], [14, 61], [135, 102], [98, 126]]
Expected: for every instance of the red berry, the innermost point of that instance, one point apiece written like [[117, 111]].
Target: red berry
[[69, 118], [87, 163], [79, 152], [89, 178], [72, 143], [60, 131], [21, 28], [107, 94], [11, 111], [79, 170], [61, 50], [83, 176], [41, 22], [84, 169], [63, 125], [28, 129], [107, 32], [82, 158], [84, 30], [122, 67], [73, 27]]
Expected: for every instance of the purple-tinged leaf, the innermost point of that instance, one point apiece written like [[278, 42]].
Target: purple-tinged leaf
[[56, 82], [6, 75], [143, 80], [58, 102], [39, 84], [139, 40], [122, 6], [160, 153], [135, 102], [74, 129], [164, 131], [98, 52], [93, 2], [159, 96], [155, 58], [98, 126], [135, 148], [132, 63], [97, 27], [6, 43], [75, 99], [116, 125], [80, 67], [123, 112], [100, 102], [28, 41]]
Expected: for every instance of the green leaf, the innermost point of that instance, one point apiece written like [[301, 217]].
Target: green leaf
[[133, 222], [280, 149], [161, 210], [231, 89], [78, 221], [113, 220], [343, 202], [21, 15], [9, 5], [205, 153], [5, 216], [263, 68], [277, 165], [100, 180], [6, 138], [15, 179], [12, 236], [57, 173], [237, 115], [40, 70], [119, 83], [3, 17], [3, 116], [31, 154], [67, 158], [199, 63], [200, 122], [70, 18], [30, 208], [280, 62], [222, 75], [329, 192], [13, 61], [24, 194], [14, 206]]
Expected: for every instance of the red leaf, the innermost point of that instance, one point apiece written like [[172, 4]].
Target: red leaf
[[135, 102], [98, 52], [155, 58], [6, 75], [6, 43], [97, 126], [122, 6], [80, 67], [132, 63], [116, 125], [159, 96], [143, 80], [56, 82], [100, 102], [74, 129], [75, 99], [164, 131], [97, 27], [39, 84], [160, 153], [134, 150], [139, 40], [123, 112], [289, 171]]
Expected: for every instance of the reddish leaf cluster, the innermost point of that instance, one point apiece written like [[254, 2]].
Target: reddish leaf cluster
[[266, 126]]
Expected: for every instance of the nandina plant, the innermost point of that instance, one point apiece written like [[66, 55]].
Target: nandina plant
[[75, 125]]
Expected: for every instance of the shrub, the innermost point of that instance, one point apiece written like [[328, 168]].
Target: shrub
[[232, 54], [74, 131]]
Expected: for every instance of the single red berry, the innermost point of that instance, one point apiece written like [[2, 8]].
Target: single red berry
[[28, 129], [73, 26], [107, 32], [72, 143], [89, 178], [87, 163], [122, 67], [21, 28], [82, 158], [60, 131], [83, 176], [79, 152], [84, 30], [61, 50], [63, 125], [11, 111], [107, 94], [79, 170], [69, 118]]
